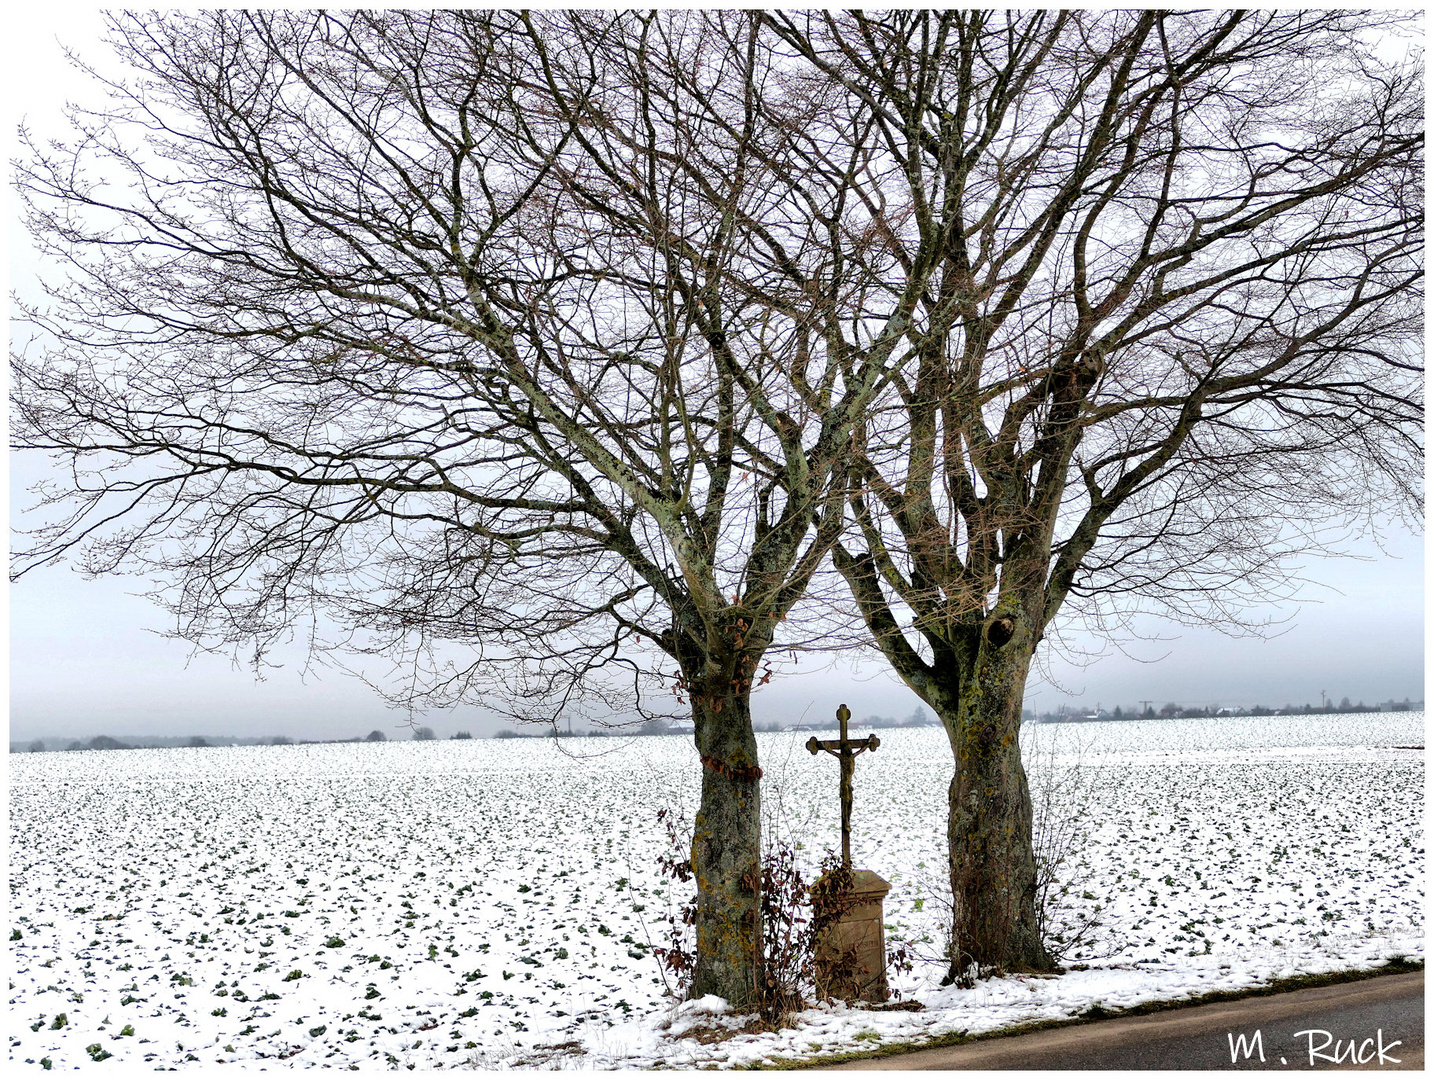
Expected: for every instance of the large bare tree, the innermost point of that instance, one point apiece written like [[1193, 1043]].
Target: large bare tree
[[525, 349], [1172, 338]]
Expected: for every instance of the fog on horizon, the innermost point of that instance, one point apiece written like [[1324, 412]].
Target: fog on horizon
[[83, 664]]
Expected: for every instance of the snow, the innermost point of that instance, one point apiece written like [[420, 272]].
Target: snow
[[494, 903]]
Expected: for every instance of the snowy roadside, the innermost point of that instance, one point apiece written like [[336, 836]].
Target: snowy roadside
[[993, 1005]]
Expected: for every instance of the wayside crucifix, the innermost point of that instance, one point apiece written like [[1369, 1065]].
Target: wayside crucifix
[[845, 750]]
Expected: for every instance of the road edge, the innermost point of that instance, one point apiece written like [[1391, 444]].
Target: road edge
[[1394, 966]]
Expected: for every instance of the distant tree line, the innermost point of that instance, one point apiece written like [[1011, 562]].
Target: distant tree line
[[1173, 710], [553, 733], [109, 742], [919, 718]]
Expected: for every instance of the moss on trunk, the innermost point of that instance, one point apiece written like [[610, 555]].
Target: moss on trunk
[[992, 858], [726, 851]]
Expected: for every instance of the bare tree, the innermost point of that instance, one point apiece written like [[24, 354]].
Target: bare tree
[[525, 350], [1171, 341]]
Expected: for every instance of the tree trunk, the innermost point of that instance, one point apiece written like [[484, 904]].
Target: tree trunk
[[726, 850], [993, 864]]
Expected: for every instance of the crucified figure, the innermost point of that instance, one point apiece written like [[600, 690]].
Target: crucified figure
[[845, 750]]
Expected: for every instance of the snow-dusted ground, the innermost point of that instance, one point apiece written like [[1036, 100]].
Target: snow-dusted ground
[[495, 902]]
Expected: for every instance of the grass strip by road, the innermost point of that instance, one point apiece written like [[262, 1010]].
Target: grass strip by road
[[1395, 966]]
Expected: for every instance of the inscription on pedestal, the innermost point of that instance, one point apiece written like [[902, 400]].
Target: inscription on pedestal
[[852, 951]]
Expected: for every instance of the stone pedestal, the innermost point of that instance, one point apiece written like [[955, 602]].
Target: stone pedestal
[[853, 949]]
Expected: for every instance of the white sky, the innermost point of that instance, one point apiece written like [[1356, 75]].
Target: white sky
[[82, 662]]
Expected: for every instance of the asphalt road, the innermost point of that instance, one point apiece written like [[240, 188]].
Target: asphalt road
[[1329, 1027]]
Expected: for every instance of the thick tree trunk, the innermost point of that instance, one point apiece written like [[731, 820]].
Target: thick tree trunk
[[993, 864], [726, 851], [976, 682]]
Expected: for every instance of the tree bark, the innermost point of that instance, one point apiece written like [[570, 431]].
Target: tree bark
[[992, 859], [726, 850]]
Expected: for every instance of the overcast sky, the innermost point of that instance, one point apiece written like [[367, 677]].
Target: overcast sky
[[83, 662]]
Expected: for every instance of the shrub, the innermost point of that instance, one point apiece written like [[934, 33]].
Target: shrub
[[795, 914]]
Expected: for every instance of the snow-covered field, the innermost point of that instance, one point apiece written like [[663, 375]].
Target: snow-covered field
[[494, 903]]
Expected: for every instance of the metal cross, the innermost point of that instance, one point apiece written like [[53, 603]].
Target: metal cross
[[845, 750]]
